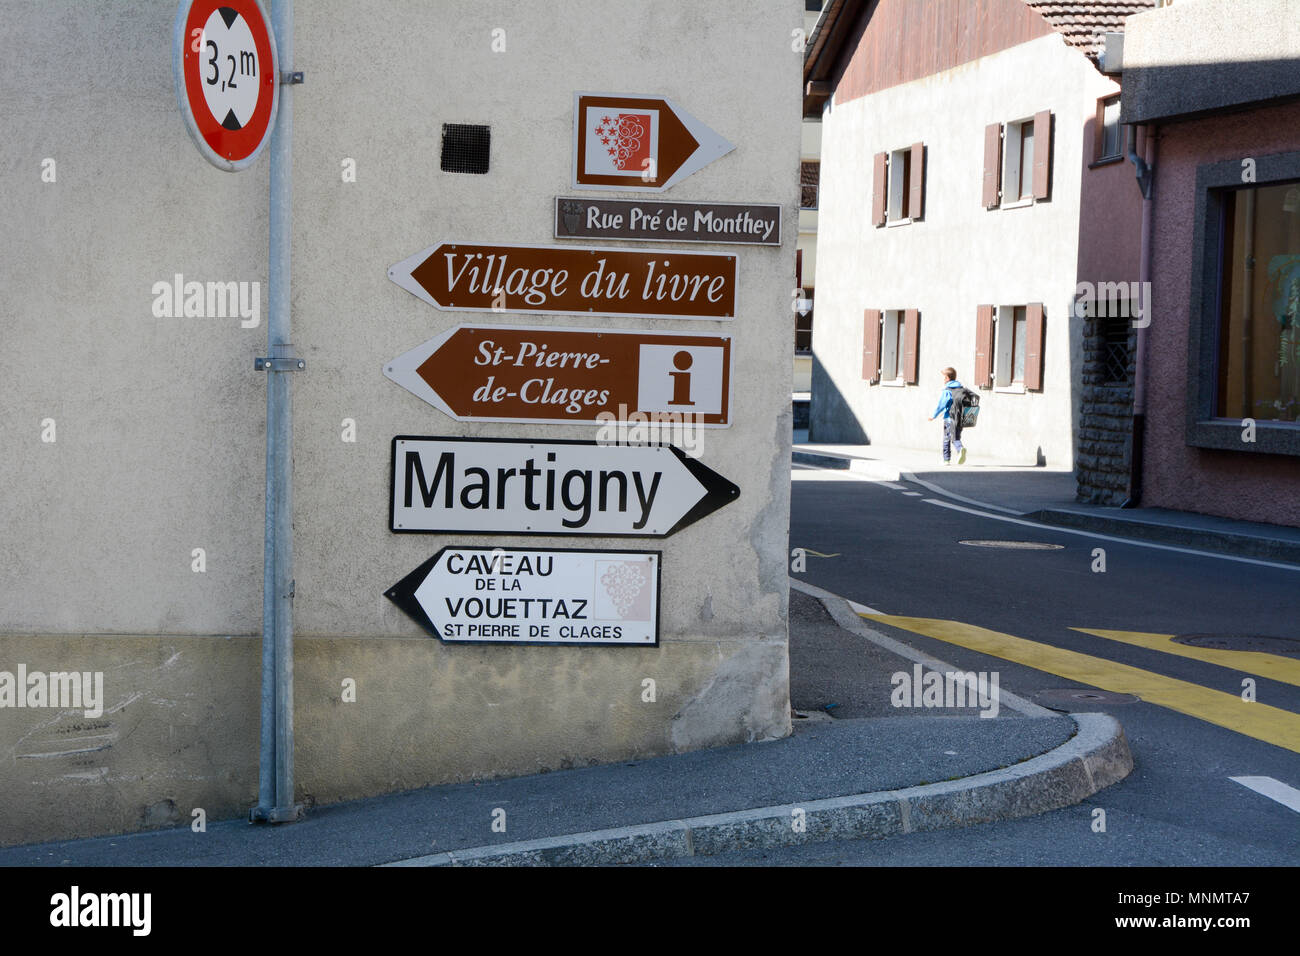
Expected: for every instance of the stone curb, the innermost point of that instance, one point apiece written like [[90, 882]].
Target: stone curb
[[1096, 757], [864, 466], [1225, 542]]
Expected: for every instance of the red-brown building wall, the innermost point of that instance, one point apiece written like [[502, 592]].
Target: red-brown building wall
[[1234, 484], [940, 34]]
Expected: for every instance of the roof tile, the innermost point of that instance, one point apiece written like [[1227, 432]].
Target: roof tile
[[1082, 22]]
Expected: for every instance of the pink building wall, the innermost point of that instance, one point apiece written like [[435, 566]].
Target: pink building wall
[[1110, 216], [1242, 484]]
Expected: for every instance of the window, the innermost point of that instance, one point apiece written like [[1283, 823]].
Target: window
[[1108, 326], [898, 186], [1018, 161], [891, 357], [890, 344], [1259, 319], [1009, 347], [809, 177], [1110, 134], [1018, 345], [1009, 328], [900, 181]]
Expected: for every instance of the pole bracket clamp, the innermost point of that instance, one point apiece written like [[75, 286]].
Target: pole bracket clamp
[[290, 78], [279, 364]]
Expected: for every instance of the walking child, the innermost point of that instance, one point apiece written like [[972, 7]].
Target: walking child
[[951, 423]]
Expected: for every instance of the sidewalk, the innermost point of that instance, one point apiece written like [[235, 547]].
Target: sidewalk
[[881, 772], [1047, 495]]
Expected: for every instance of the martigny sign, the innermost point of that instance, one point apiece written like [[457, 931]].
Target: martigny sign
[[520, 486]]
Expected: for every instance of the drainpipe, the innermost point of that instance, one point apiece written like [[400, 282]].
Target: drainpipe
[[1145, 169], [275, 783]]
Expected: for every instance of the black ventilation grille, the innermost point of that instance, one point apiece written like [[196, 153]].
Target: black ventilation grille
[[465, 149]]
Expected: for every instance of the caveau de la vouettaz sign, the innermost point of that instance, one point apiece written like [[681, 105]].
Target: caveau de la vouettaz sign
[[571, 280], [511, 373], [659, 221], [534, 596], [519, 486]]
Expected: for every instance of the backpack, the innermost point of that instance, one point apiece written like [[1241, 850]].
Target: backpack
[[965, 407]]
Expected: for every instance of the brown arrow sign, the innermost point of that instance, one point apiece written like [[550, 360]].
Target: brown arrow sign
[[634, 142], [495, 373], [569, 280]]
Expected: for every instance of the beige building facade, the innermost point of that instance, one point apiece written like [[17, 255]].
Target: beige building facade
[[133, 475]]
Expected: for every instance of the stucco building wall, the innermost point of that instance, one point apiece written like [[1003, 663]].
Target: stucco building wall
[[959, 257], [161, 421]]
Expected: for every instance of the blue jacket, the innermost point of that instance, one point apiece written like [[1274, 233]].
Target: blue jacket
[[945, 400]]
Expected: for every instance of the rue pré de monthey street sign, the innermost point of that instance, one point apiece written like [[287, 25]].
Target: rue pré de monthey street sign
[[657, 220], [226, 71], [635, 142], [521, 486], [474, 595], [571, 280], [510, 373]]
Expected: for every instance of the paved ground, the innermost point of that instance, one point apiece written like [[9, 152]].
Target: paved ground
[[1052, 620]]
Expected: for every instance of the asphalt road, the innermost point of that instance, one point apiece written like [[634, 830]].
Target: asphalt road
[[1015, 611]]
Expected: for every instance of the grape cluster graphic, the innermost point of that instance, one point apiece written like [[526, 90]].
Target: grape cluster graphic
[[623, 583], [622, 137]]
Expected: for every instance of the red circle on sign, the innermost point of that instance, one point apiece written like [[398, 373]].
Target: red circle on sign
[[233, 148]]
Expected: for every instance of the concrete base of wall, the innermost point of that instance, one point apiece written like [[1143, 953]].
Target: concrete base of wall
[[180, 720]]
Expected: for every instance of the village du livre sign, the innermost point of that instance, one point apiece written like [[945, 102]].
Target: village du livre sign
[[535, 596], [571, 280], [510, 373], [520, 486]]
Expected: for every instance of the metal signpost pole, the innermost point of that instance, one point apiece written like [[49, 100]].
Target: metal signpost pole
[[276, 784]]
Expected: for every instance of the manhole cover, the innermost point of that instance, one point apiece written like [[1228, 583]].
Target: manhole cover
[[1242, 642], [1020, 545], [1081, 698]]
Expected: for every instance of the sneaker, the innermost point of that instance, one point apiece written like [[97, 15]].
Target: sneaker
[[961, 457], [947, 462]]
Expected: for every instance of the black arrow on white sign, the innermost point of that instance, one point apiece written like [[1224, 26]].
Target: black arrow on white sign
[[519, 486]]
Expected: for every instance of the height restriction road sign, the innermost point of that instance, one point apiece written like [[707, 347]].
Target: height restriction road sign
[[645, 143], [512, 373], [227, 78]]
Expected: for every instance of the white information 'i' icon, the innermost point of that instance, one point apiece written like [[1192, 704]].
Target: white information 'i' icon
[[680, 378], [230, 68]]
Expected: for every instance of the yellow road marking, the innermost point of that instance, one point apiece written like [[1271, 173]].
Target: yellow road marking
[[1271, 724], [1272, 666]]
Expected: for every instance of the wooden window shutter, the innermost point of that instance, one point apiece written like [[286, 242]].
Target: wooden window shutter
[[1034, 346], [911, 343], [878, 189], [992, 164], [916, 197], [1042, 154], [871, 345], [984, 346]]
